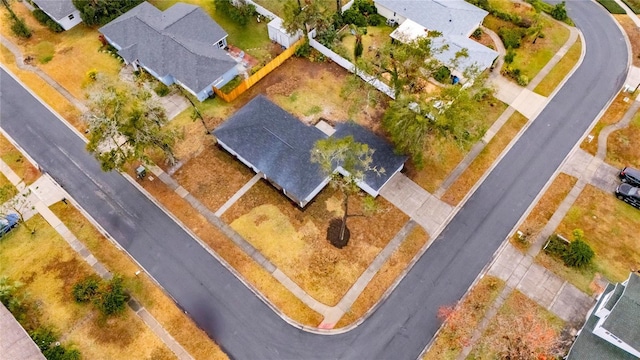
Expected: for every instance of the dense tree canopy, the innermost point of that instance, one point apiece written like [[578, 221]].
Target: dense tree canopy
[[125, 124], [100, 12]]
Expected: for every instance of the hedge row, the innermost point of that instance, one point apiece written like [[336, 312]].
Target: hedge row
[[45, 20]]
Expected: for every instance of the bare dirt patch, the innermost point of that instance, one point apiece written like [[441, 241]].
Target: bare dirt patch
[[295, 239]]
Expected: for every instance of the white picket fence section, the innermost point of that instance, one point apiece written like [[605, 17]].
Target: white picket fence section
[[384, 88]]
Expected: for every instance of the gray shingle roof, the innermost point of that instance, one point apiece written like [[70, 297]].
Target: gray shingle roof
[[276, 143], [588, 346], [178, 41], [383, 155], [58, 9], [450, 17], [624, 319]]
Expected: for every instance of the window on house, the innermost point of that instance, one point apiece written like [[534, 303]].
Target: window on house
[[71, 17], [221, 43]]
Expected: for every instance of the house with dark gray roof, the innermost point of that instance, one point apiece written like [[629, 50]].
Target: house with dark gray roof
[[456, 20], [180, 45], [274, 143], [612, 330], [61, 11]]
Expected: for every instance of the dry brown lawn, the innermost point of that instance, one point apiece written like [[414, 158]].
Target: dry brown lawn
[[253, 273], [386, 276], [213, 176], [634, 36], [21, 166], [612, 115], [543, 210], [622, 147], [517, 305], [443, 155], [457, 191], [179, 325], [608, 225], [457, 332], [295, 240], [49, 268]]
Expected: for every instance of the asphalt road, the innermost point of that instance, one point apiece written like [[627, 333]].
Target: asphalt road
[[240, 322]]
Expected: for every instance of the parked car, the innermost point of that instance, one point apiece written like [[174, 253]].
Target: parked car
[[629, 194], [7, 223], [630, 176]]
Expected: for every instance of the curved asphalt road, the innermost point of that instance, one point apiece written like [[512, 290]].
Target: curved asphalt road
[[241, 323]]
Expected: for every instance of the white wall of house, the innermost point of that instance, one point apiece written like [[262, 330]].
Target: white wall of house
[[390, 14], [69, 21]]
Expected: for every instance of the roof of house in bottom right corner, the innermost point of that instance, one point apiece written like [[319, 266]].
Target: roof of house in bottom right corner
[[624, 319]]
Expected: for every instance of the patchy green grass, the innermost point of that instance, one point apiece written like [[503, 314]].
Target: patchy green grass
[[612, 6], [7, 190], [634, 5], [44, 51], [375, 38], [560, 71], [607, 223]]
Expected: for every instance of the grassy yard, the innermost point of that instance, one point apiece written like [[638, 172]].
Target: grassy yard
[[21, 166], [634, 5], [612, 115], [178, 324], [517, 306], [386, 276], [458, 330], [484, 160], [8, 190], [530, 58], [75, 52], [252, 38], [543, 210], [49, 268], [444, 154], [607, 224], [247, 267], [560, 71], [622, 147], [375, 38], [295, 240]]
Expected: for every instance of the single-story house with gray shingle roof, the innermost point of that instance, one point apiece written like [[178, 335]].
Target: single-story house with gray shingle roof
[[455, 19], [273, 142], [61, 11], [612, 330], [180, 45]]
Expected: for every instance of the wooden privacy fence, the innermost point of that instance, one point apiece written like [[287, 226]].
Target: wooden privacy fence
[[253, 79]]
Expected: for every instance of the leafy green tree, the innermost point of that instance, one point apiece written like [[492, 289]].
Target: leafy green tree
[[125, 124], [241, 13], [304, 17], [408, 129], [405, 65], [354, 159], [100, 12]]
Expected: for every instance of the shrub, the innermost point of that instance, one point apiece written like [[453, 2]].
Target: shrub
[[303, 50], [556, 247], [612, 6], [357, 50], [376, 20], [353, 16], [366, 7], [45, 20], [43, 337], [112, 297], [86, 290], [19, 28], [509, 56], [101, 12], [511, 38], [161, 89], [46, 339], [559, 12], [579, 252], [477, 33], [92, 75], [241, 14], [522, 80], [442, 74]]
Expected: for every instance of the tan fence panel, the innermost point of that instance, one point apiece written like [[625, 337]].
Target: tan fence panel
[[253, 79]]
